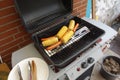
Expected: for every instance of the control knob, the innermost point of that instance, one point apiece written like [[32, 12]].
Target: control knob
[[90, 60], [84, 64]]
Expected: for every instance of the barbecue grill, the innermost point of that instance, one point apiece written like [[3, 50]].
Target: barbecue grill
[[44, 18]]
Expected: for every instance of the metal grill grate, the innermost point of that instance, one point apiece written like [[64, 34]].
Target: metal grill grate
[[78, 35]]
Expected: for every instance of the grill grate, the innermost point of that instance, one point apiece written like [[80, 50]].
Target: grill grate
[[65, 54], [78, 35]]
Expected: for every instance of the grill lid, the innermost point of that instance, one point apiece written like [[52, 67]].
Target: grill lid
[[36, 13]]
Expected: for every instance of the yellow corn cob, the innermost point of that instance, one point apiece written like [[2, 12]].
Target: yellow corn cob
[[67, 36], [71, 24], [50, 41], [62, 32]]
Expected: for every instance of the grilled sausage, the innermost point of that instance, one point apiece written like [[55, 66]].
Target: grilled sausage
[[62, 31], [71, 24], [67, 36], [76, 26], [50, 41], [54, 45]]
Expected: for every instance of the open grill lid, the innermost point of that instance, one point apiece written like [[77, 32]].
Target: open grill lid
[[36, 13]]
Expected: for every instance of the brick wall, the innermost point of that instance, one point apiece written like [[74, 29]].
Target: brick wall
[[13, 35]]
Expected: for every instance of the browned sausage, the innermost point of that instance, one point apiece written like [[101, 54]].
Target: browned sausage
[[54, 45], [76, 26]]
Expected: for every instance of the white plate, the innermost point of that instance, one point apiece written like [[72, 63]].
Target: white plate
[[42, 70]]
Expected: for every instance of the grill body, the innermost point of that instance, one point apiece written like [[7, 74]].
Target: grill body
[[69, 53], [45, 18]]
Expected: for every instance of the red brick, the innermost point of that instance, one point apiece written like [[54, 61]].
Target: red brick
[[20, 34], [75, 10], [7, 11], [9, 45], [22, 28], [5, 3], [8, 19], [79, 3], [74, 1], [82, 7], [9, 51], [5, 41], [84, 2], [82, 14], [25, 43], [28, 36], [7, 57], [82, 10], [10, 26], [76, 13], [8, 33], [75, 5]]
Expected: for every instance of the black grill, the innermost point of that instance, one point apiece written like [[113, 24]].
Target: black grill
[[45, 18], [69, 53]]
